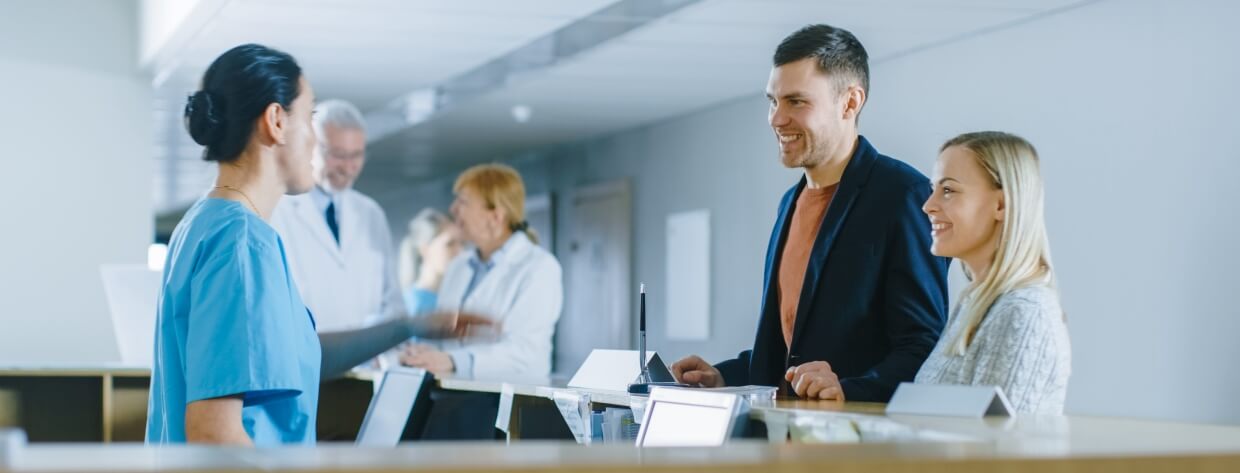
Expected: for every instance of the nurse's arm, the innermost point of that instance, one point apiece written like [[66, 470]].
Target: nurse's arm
[[344, 350], [216, 421]]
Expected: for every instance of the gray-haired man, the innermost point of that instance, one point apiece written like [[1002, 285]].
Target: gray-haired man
[[337, 240]]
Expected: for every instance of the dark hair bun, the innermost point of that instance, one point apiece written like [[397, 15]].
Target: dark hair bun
[[236, 89], [204, 117]]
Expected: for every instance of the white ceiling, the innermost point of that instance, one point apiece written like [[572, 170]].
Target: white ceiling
[[372, 52], [365, 51], [707, 53]]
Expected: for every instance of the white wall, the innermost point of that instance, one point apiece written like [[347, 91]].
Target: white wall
[[75, 130], [1132, 105], [684, 165]]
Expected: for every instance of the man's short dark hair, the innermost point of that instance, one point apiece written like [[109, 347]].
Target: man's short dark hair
[[837, 52]]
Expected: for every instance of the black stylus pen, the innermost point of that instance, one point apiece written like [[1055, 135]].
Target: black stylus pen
[[641, 340]]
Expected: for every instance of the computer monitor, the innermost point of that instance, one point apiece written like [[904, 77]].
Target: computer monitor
[[132, 291], [391, 406], [688, 417], [614, 370]]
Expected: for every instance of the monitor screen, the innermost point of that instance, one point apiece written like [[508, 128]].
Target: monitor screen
[[672, 424], [390, 407]]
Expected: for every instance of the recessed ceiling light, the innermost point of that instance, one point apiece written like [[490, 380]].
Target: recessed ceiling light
[[521, 113]]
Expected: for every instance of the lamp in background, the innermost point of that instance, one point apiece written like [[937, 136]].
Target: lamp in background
[[155, 256], [521, 113]]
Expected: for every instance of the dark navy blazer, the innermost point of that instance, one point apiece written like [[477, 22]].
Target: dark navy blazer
[[874, 298]]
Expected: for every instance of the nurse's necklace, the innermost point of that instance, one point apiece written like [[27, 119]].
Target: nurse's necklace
[[247, 198]]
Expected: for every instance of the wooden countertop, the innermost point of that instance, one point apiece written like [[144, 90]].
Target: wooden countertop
[[919, 444], [747, 456], [74, 370], [1023, 436]]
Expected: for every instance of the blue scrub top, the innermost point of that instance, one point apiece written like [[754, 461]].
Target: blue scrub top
[[420, 301], [231, 322]]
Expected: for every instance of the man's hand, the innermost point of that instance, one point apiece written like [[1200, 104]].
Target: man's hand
[[448, 324], [815, 380], [695, 371], [425, 357]]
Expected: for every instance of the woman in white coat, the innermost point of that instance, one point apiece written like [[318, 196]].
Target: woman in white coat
[[507, 276]]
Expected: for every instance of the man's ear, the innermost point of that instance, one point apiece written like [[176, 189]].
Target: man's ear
[[854, 100]]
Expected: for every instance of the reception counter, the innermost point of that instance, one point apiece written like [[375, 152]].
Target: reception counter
[[1090, 445], [802, 435]]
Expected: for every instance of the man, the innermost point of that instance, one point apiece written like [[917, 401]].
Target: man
[[338, 242], [853, 300]]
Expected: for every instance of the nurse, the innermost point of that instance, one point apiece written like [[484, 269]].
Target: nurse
[[237, 358]]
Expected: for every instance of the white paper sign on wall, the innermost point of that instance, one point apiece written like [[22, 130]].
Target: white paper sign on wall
[[688, 276]]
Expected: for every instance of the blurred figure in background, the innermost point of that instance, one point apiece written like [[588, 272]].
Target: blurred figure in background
[[433, 241], [338, 240], [506, 274]]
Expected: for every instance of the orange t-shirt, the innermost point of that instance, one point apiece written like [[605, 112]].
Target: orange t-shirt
[[807, 216]]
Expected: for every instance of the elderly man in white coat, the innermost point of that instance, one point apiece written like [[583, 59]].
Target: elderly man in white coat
[[338, 242]]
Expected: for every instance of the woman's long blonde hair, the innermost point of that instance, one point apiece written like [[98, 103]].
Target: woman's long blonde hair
[[1023, 256], [500, 186], [422, 229]]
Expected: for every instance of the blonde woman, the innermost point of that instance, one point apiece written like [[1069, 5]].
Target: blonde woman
[[507, 276], [1008, 330], [433, 241]]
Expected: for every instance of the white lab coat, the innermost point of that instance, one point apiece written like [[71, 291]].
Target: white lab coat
[[524, 291], [346, 286]]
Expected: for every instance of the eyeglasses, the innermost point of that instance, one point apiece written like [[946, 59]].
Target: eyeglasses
[[343, 155]]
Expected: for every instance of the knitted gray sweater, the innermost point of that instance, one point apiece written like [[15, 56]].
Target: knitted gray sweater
[[1021, 346]]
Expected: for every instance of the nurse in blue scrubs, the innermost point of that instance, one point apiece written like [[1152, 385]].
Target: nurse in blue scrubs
[[237, 359]]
